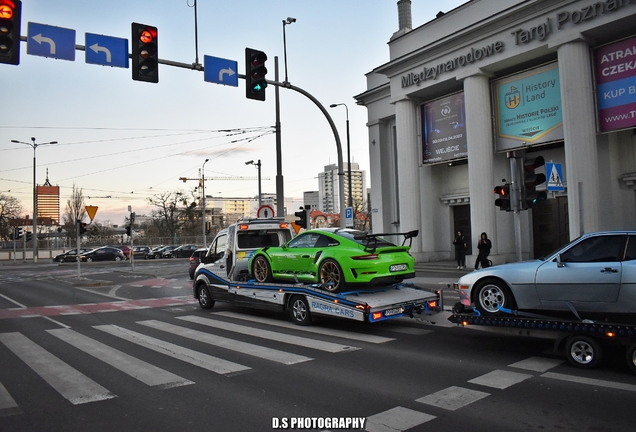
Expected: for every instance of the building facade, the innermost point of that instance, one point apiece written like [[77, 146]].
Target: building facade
[[466, 98]]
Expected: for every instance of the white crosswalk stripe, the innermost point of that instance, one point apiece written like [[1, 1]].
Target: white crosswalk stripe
[[70, 383], [230, 344], [213, 364], [138, 369], [362, 337], [270, 335]]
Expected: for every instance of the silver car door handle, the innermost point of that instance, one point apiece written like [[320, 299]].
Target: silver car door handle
[[609, 270]]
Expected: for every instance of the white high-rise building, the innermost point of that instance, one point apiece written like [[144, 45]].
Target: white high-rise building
[[329, 194]]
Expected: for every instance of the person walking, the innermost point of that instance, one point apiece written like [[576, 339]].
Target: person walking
[[484, 247], [460, 250]]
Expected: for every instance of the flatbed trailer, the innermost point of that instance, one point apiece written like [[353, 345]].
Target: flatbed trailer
[[584, 340], [302, 301]]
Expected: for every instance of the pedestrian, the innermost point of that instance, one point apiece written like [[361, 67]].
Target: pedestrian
[[484, 247], [460, 250]]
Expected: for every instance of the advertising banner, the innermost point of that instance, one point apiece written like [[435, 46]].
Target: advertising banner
[[444, 129], [528, 108], [615, 73]]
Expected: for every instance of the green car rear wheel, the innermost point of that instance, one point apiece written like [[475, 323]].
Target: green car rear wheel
[[331, 276]]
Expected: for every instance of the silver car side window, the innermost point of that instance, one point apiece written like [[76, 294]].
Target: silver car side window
[[608, 248]]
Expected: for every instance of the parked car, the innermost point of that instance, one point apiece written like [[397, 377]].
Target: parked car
[[140, 252], [125, 249], [68, 256], [105, 253], [195, 260], [595, 273], [335, 258], [167, 250], [156, 252], [184, 251]]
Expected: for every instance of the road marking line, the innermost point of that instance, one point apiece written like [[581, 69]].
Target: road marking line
[[205, 361], [500, 379], [270, 335], [230, 344], [590, 381], [70, 383], [396, 419], [8, 406], [136, 368], [537, 364], [453, 398], [317, 330]]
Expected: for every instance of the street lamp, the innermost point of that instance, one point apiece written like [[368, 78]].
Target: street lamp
[[348, 152], [258, 167], [289, 20], [205, 242], [34, 145]]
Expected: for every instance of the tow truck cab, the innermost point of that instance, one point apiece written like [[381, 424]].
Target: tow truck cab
[[231, 249]]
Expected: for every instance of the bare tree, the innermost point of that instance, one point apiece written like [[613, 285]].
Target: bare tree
[[75, 211], [167, 215], [10, 208]]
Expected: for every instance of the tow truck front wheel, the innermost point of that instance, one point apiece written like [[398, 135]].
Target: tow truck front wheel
[[300, 313], [490, 294], [205, 299], [583, 352]]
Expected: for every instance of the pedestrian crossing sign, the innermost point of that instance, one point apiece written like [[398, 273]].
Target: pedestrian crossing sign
[[554, 173]]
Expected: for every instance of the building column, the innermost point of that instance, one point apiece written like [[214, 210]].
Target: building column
[[407, 165], [480, 159], [579, 132]]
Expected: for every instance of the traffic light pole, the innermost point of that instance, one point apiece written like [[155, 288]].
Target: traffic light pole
[[515, 199], [77, 247]]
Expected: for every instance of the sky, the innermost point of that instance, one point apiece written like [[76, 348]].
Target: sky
[[123, 141]]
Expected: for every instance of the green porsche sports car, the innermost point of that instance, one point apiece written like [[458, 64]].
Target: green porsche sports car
[[335, 258]]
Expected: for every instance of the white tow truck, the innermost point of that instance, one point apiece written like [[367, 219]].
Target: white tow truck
[[223, 276]]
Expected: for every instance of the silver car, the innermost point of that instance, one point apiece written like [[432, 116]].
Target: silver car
[[595, 273]]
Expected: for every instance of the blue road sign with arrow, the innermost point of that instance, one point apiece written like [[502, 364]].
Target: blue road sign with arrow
[[220, 71], [49, 41], [106, 50]]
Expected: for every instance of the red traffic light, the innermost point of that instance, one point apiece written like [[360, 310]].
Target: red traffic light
[[148, 35], [6, 12], [502, 190]]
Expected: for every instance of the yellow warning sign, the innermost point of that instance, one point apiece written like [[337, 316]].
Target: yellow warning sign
[[91, 210]]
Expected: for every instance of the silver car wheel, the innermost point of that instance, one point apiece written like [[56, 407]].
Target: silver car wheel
[[491, 296]]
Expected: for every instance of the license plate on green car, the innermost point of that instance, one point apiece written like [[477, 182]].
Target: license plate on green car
[[398, 267]]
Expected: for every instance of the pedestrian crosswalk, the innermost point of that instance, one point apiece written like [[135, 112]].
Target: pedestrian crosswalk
[[294, 345]]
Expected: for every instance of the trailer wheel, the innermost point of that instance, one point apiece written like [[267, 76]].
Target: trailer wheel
[[631, 357], [261, 269], [330, 276], [491, 293], [583, 352], [205, 299], [300, 312]]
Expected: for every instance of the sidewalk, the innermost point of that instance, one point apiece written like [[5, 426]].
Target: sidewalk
[[445, 266]]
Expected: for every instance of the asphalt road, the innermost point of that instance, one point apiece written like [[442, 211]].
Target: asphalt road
[[131, 351]]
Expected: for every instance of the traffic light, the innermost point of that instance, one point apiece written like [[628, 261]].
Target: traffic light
[[29, 236], [10, 11], [503, 202], [17, 233], [531, 180], [255, 72], [129, 230], [82, 228], [145, 61], [302, 218]]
